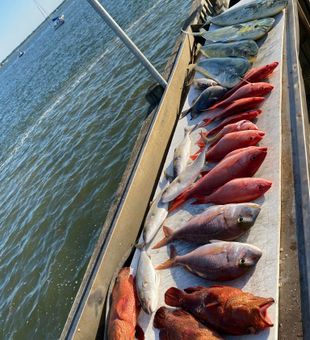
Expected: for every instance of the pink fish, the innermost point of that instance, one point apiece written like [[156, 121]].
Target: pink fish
[[242, 125], [236, 106], [217, 261], [246, 91], [254, 75], [249, 115], [238, 163], [237, 190], [232, 141]]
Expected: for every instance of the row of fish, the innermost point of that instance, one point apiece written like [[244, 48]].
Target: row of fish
[[204, 312], [231, 95]]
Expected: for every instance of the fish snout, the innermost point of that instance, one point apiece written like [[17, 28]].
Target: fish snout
[[251, 257], [264, 186], [263, 307], [261, 133]]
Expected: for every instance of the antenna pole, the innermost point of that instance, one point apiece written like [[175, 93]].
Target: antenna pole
[[126, 40]]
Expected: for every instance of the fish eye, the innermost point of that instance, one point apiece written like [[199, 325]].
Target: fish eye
[[242, 261], [251, 138], [240, 219], [253, 158]]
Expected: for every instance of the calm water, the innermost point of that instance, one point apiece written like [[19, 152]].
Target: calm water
[[70, 111]]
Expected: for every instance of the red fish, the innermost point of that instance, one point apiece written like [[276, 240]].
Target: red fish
[[249, 115], [227, 309], [239, 163], [180, 325], [246, 91], [243, 125], [124, 309], [254, 75], [232, 141], [238, 190], [236, 106]]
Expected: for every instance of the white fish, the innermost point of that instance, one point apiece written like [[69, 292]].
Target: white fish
[[147, 281], [185, 179], [182, 153], [154, 219]]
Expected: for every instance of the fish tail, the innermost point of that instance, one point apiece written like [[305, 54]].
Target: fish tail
[[160, 318], [168, 233], [208, 121], [174, 297], [203, 173], [201, 200], [185, 113], [169, 263], [139, 332], [178, 201]]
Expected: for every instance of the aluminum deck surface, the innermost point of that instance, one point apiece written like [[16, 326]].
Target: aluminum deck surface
[[265, 234]]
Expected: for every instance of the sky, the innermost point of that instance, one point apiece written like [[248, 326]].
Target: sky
[[18, 18]]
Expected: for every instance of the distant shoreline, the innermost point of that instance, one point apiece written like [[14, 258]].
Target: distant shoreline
[[30, 35]]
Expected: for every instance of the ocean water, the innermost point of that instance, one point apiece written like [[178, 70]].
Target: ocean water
[[70, 111]]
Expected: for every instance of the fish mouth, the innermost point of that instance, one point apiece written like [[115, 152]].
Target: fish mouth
[[261, 133], [263, 311]]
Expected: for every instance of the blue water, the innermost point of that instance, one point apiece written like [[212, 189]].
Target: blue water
[[70, 111]]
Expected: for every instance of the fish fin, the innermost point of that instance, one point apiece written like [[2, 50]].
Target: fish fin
[[140, 245], [174, 297], [185, 113], [160, 317], [195, 155], [178, 201], [139, 332], [207, 121], [190, 290], [202, 140], [168, 232], [203, 173], [212, 304], [169, 263]]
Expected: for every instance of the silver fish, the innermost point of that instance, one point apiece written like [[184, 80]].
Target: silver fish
[[147, 282], [154, 219], [203, 83], [218, 261], [182, 153], [255, 9], [244, 49], [252, 30], [226, 71], [185, 179], [221, 222], [206, 99]]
